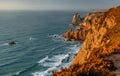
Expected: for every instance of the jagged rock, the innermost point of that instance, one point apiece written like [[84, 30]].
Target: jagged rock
[[101, 27], [76, 19], [101, 35], [78, 34]]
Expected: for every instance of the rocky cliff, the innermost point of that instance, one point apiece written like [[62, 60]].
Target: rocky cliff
[[100, 52]]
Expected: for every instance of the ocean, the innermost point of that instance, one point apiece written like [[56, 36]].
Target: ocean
[[39, 47]]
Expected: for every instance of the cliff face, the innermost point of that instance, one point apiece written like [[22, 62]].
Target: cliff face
[[104, 31], [100, 52]]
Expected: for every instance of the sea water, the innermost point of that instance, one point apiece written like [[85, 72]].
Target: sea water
[[39, 47]]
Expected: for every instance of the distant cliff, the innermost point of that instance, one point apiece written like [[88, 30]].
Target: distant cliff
[[100, 52]]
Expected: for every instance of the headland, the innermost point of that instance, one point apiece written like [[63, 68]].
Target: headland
[[100, 51]]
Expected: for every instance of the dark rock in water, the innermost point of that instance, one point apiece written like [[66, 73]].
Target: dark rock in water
[[12, 43]]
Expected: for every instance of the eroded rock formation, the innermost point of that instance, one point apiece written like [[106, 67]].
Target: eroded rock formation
[[100, 52], [78, 34]]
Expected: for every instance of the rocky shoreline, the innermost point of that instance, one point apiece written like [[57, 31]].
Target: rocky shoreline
[[100, 52]]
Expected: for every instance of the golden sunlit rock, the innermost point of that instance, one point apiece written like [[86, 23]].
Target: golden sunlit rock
[[101, 35]]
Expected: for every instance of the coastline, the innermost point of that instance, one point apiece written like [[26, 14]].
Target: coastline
[[100, 51]]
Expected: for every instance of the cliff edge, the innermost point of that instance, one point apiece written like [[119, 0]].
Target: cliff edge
[[100, 52]]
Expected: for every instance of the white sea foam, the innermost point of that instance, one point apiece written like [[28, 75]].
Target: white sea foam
[[57, 61], [57, 37], [42, 60], [75, 49], [17, 73], [4, 44], [31, 38]]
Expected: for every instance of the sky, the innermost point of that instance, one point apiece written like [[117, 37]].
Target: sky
[[57, 4]]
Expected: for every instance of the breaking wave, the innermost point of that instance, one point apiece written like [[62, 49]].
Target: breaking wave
[[57, 61]]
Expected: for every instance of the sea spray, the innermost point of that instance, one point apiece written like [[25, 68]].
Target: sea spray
[[42, 60], [57, 61]]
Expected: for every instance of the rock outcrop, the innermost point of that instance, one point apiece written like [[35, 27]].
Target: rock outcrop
[[78, 34], [100, 52], [76, 19], [12, 43]]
